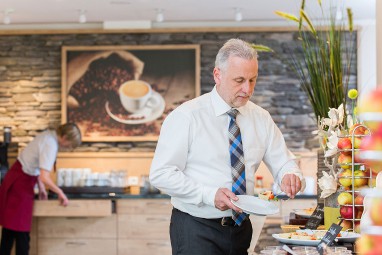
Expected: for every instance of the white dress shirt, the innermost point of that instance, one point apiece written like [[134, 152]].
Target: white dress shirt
[[192, 159]]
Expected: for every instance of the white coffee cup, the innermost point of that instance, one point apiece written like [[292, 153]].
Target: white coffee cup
[[76, 176], [68, 179], [61, 176], [134, 95]]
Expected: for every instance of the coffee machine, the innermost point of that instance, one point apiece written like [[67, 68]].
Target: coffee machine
[[4, 152]]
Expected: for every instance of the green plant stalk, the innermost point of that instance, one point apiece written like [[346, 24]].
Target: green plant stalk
[[324, 69]]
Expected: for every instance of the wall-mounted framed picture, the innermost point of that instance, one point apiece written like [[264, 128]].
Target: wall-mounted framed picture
[[123, 93]]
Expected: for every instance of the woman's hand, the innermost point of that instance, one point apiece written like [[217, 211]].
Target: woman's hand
[[42, 194], [64, 201], [47, 181]]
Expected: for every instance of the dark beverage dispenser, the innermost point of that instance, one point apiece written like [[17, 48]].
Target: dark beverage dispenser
[[4, 152]]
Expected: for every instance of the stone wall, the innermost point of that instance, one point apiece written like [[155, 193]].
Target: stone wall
[[30, 81]]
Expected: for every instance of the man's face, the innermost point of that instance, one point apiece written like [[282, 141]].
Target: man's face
[[236, 83]]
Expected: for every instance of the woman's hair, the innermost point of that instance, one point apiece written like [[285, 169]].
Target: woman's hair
[[70, 132], [237, 48]]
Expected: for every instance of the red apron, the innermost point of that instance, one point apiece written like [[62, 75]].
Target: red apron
[[16, 199]]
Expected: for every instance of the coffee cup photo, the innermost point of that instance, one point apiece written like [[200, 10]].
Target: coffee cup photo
[[135, 94]]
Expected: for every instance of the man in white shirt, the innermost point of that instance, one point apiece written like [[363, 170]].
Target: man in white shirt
[[195, 161]]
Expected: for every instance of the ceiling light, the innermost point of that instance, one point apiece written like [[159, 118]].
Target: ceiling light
[[7, 16], [160, 15], [238, 15], [82, 17]]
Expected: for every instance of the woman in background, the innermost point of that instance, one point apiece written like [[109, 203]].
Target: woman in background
[[34, 164]]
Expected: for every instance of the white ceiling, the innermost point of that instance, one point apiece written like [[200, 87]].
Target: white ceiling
[[175, 11]]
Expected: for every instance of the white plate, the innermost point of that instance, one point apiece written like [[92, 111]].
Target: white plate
[[148, 113], [255, 205], [348, 237], [303, 213], [296, 241]]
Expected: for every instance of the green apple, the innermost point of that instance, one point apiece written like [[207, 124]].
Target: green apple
[[357, 142], [346, 182], [345, 198], [345, 160], [358, 182]]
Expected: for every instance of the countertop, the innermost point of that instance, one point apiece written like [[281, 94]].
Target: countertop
[[113, 195]]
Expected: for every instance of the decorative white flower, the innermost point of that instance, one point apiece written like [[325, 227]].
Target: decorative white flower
[[341, 113], [336, 117], [328, 184], [331, 144]]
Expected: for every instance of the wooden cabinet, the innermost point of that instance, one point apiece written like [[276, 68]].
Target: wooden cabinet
[[143, 226], [77, 235], [77, 246]]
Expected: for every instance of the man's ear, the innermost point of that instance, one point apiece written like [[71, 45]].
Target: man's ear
[[217, 75]]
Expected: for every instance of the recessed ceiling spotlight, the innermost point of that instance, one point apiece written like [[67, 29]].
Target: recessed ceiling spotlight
[[160, 15], [82, 17], [238, 14]]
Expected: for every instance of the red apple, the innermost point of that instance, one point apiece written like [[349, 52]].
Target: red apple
[[346, 182], [359, 213], [371, 103], [357, 227], [344, 160], [358, 129], [372, 143], [346, 224], [376, 211], [344, 143], [347, 211], [358, 200]]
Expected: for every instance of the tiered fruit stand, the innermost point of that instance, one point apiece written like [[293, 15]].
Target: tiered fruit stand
[[353, 176]]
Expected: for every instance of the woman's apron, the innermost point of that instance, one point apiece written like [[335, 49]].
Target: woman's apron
[[16, 199]]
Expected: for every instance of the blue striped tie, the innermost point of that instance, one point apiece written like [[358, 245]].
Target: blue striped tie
[[237, 162]]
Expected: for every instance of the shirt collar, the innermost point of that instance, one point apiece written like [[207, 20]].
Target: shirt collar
[[220, 106]]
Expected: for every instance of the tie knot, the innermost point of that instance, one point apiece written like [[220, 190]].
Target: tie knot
[[233, 113]]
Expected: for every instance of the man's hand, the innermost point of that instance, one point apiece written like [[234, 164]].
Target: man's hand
[[223, 200], [290, 184]]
